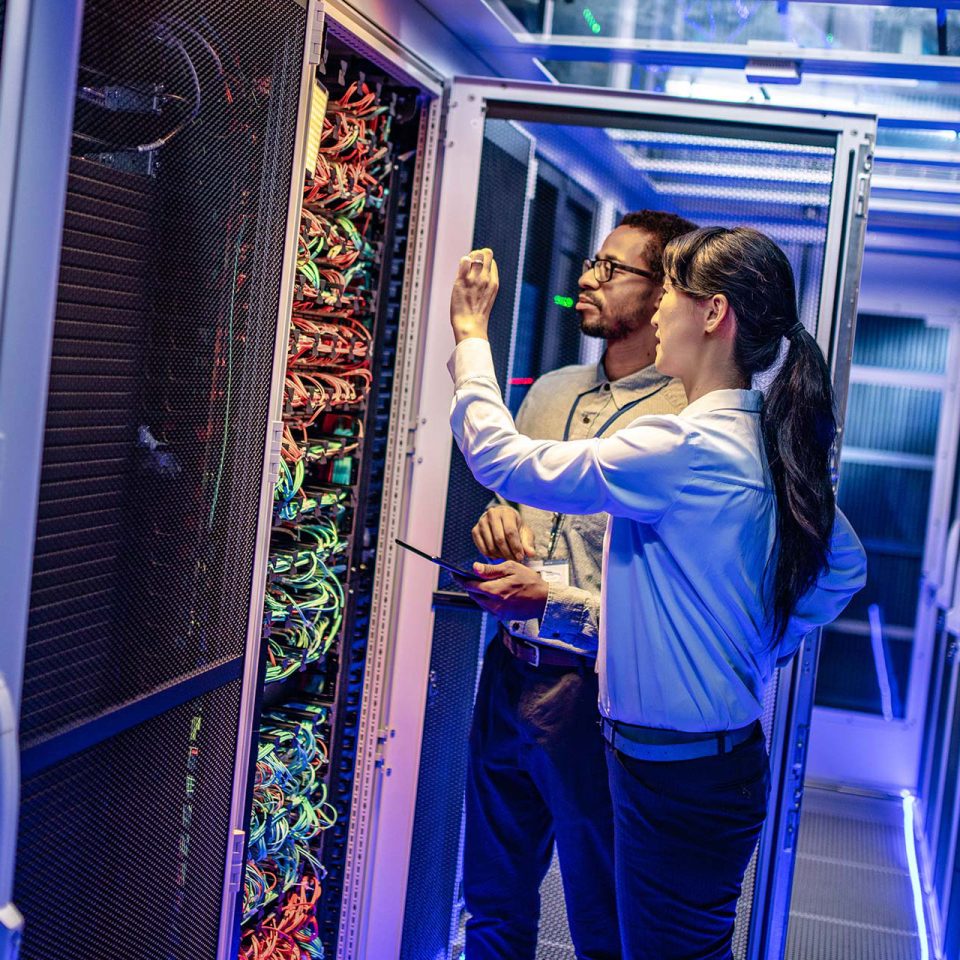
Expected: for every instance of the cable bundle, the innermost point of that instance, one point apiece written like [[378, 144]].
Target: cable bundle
[[305, 599], [334, 256], [328, 376], [290, 806], [291, 933], [327, 383]]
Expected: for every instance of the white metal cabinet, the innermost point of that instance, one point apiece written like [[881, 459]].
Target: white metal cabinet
[[376, 929]]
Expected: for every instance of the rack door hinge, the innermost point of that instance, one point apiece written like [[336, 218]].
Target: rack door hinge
[[800, 749], [384, 735], [238, 848], [863, 193], [412, 429], [315, 55], [273, 452]]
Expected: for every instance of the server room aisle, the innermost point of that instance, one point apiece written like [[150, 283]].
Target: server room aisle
[[852, 895]]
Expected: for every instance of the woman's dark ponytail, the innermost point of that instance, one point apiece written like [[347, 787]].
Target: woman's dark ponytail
[[797, 422], [798, 432]]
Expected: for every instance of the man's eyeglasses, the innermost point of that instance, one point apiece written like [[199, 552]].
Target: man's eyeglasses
[[603, 268]]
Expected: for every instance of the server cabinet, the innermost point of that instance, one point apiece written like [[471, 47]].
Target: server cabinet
[[32, 85], [149, 376], [940, 768], [411, 907], [308, 755]]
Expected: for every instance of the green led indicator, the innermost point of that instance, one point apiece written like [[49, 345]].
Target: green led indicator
[[563, 301], [591, 20]]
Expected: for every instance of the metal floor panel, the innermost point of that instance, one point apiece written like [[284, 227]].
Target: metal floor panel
[[814, 939], [853, 894], [863, 834], [852, 897]]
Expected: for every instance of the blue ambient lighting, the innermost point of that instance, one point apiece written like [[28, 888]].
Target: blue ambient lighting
[[909, 803]]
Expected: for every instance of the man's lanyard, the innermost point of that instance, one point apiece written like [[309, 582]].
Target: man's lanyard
[[559, 517]]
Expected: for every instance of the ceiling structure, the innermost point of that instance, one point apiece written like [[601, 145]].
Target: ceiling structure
[[899, 60]]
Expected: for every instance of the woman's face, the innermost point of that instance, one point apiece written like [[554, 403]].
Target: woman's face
[[679, 323]]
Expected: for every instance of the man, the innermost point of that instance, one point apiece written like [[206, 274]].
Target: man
[[537, 773]]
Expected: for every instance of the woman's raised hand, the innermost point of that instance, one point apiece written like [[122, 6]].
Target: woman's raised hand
[[474, 293]]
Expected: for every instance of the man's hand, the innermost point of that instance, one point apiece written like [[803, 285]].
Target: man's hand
[[474, 293], [500, 534], [508, 590]]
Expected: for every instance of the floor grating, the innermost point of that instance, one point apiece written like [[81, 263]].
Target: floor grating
[[852, 896]]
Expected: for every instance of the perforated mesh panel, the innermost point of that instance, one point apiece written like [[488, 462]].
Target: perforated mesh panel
[[900, 343], [163, 346], [499, 222], [852, 897], [158, 402], [944, 855], [122, 847], [741, 930], [895, 419], [885, 483], [435, 861]]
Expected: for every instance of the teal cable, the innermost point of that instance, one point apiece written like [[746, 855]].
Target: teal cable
[[226, 420]]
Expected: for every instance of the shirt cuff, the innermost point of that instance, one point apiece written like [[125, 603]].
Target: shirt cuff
[[471, 358], [563, 614]]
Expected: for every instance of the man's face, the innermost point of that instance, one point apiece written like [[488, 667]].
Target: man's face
[[626, 302]]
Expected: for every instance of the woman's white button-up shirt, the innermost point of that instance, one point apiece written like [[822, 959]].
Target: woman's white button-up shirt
[[685, 636]]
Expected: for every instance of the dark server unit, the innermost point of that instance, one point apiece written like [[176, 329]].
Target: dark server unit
[[169, 291], [336, 403]]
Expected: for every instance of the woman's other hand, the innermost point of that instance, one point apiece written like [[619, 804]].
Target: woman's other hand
[[474, 293]]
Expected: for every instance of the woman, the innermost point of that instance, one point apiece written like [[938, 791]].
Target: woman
[[724, 549]]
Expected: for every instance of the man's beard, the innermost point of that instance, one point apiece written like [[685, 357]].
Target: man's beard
[[609, 329]]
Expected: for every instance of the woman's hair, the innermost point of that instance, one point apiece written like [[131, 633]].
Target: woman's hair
[[797, 421]]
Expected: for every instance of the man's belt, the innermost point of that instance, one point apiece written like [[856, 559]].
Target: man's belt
[[541, 655], [650, 743]]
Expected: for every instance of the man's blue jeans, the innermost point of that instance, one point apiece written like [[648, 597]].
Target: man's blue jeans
[[684, 833], [537, 775]]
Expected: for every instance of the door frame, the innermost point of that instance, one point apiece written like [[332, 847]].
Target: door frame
[[41, 48], [468, 103], [844, 742]]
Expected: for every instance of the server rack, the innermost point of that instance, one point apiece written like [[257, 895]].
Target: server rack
[[940, 759], [182, 322], [315, 719], [149, 166], [341, 347]]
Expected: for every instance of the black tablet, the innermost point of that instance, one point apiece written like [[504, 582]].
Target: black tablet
[[439, 561]]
